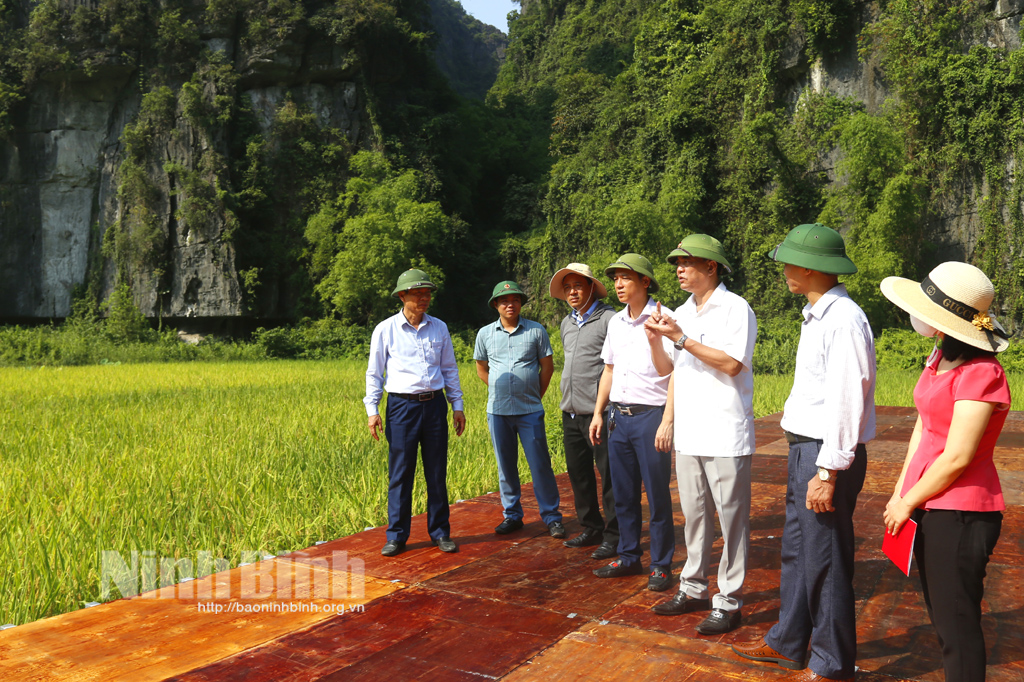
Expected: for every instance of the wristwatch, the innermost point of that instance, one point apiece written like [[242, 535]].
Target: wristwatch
[[824, 474], [681, 342]]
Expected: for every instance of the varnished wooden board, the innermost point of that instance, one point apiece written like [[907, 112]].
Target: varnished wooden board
[[472, 527], [412, 634], [163, 633], [616, 652], [542, 573], [523, 606]]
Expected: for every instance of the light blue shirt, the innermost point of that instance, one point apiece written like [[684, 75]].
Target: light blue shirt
[[513, 360], [581, 320], [404, 359]]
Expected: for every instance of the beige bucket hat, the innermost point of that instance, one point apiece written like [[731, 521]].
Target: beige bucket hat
[[555, 286], [954, 298]]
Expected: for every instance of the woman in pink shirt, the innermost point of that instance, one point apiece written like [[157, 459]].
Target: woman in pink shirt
[[949, 483]]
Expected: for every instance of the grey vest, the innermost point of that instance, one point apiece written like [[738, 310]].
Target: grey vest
[[583, 365]]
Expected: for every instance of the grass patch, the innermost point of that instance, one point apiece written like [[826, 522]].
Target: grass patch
[[220, 457]]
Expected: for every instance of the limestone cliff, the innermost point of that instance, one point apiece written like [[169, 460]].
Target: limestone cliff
[[156, 145], [468, 51]]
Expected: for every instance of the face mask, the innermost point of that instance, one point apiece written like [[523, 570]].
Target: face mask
[[922, 328]]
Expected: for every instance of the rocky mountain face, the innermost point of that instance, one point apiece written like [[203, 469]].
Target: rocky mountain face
[[468, 51], [106, 177], [956, 224], [172, 159]]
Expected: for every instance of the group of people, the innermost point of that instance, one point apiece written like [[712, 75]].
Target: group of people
[[642, 384]]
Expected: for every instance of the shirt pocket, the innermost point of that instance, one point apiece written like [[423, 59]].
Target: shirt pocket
[[432, 352]]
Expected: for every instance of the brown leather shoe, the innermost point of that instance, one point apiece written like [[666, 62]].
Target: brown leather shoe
[[758, 650], [811, 676]]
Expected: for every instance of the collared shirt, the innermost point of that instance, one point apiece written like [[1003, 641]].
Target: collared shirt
[[833, 396], [982, 379], [635, 381], [581, 319], [404, 359], [513, 361], [714, 412]]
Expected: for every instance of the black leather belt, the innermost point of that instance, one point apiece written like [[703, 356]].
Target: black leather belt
[[794, 438], [630, 410], [418, 397]]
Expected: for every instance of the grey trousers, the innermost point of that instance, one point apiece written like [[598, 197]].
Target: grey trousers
[[706, 485]]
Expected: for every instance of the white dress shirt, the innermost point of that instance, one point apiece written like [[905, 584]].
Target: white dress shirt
[[714, 412], [635, 381], [833, 396], [404, 359]]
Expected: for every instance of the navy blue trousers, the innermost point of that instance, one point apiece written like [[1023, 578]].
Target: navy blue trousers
[[409, 426], [817, 569], [633, 460]]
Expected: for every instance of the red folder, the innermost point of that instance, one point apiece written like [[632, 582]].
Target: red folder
[[900, 547]]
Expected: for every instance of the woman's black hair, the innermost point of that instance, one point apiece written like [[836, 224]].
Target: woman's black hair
[[955, 349]]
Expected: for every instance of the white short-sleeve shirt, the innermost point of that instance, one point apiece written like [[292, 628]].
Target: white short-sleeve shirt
[[635, 381], [714, 412]]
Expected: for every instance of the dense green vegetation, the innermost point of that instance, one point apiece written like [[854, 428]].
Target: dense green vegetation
[[614, 125], [680, 116]]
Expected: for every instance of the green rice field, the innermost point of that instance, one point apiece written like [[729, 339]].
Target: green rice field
[[230, 458]]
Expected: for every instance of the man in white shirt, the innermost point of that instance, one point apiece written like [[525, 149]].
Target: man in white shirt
[[829, 416], [709, 348], [637, 395], [412, 358]]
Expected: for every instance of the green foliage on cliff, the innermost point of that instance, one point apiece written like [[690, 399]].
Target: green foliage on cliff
[[378, 228], [675, 116], [136, 241], [614, 125]]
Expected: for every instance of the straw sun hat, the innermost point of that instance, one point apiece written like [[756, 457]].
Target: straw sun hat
[[954, 298], [555, 286]]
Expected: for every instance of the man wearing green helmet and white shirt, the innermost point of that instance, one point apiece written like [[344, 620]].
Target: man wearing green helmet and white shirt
[[708, 347], [637, 393], [513, 357], [828, 417], [412, 358]]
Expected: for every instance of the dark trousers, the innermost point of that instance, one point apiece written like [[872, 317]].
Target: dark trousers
[[410, 425], [952, 550], [817, 569], [633, 459], [580, 458]]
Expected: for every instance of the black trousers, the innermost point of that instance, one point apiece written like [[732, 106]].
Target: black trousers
[[580, 458], [952, 549]]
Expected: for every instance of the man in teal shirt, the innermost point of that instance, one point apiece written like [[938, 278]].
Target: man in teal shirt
[[513, 357]]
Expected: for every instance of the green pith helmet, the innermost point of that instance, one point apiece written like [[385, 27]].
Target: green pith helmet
[[701, 246], [815, 247], [636, 263], [503, 289], [412, 279]]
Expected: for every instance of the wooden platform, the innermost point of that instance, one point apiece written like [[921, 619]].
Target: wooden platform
[[517, 607]]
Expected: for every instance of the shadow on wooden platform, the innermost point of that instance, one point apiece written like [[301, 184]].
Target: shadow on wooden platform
[[517, 607]]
